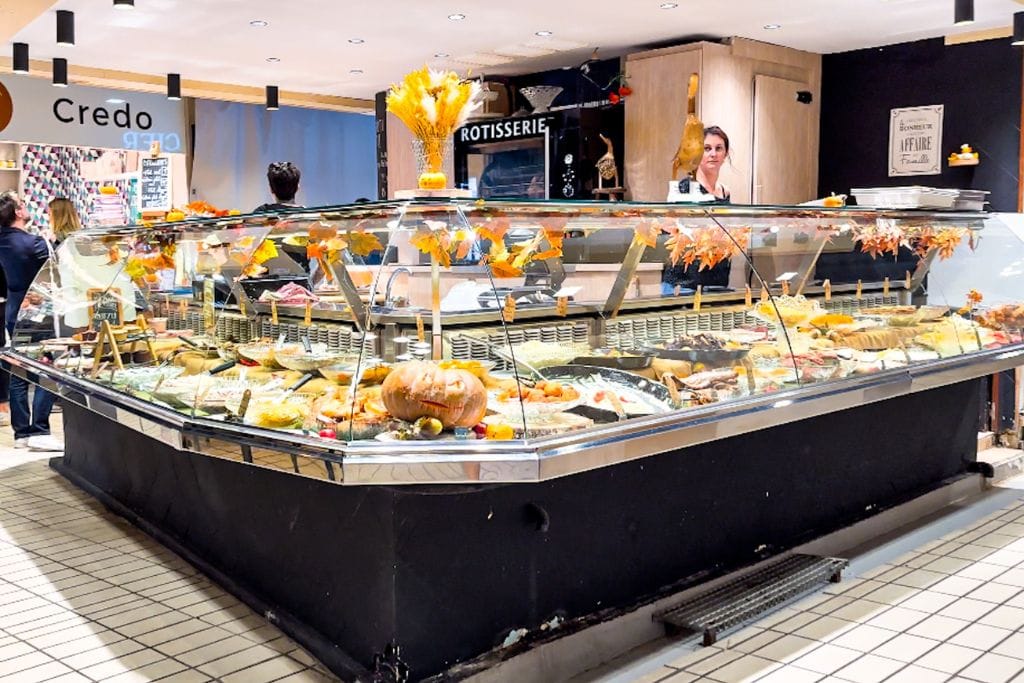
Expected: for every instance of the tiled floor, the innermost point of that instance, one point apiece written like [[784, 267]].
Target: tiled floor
[[951, 610], [84, 596]]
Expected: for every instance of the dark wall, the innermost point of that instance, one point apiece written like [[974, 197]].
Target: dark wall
[[980, 86]]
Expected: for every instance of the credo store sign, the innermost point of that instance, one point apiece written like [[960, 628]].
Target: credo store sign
[[33, 111]]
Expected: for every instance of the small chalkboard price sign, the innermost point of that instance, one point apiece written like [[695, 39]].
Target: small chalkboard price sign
[[155, 192], [105, 305]]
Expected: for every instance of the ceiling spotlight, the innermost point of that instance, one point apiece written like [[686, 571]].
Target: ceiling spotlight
[[60, 72], [356, 41], [272, 99], [772, 27], [456, 17], [442, 55], [115, 100], [124, 4], [544, 34], [174, 86], [258, 23], [1018, 29], [273, 60], [19, 64], [963, 12], [65, 27], [668, 5], [356, 72]]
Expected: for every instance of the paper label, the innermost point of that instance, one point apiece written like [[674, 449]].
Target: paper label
[[421, 334], [273, 311], [828, 290], [562, 306], [509, 311]]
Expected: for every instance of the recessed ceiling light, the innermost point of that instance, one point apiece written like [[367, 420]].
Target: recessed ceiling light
[[456, 17], [355, 72], [441, 55], [544, 34], [356, 41], [273, 60], [115, 100], [258, 23], [668, 5], [772, 27]]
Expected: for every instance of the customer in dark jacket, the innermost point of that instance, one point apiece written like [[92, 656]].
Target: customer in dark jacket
[[21, 256]]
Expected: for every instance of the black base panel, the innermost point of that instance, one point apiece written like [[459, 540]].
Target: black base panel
[[447, 571]]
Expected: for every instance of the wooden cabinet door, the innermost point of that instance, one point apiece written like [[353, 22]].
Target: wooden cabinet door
[[783, 170]]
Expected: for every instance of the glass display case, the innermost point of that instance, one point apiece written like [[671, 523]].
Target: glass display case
[[451, 341]]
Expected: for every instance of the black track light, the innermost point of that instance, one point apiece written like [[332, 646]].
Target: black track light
[[272, 98], [174, 86], [963, 12], [19, 64], [65, 27], [60, 72], [1018, 29], [124, 4]]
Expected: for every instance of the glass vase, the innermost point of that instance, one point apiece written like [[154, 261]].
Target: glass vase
[[432, 154]]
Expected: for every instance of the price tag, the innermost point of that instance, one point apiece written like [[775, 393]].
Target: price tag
[[907, 280], [860, 289], [748, 298], [828, 290], [421, 334], [509, 312], [765, 296], [241, 305], [308, 320], [885, 286], [697, 297], [785, 288], [209, 316], [273, 311], [183, 308], [562, 306]]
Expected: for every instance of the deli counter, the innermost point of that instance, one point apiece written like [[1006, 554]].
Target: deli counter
[[484, 415]]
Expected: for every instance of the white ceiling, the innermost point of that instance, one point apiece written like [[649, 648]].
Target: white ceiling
[[212, 39]]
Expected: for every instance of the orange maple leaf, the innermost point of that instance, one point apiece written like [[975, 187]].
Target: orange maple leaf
[[363, 243], [314, 250], [550, 253], [647, 231], [493, 230], [503, 269]]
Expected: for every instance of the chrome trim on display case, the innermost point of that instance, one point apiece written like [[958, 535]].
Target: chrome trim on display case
[[444, 462]]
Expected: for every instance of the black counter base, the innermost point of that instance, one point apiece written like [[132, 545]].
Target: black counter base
[[447, 572]]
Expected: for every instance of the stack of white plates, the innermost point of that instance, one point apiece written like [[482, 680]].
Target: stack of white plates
[[912, 197]]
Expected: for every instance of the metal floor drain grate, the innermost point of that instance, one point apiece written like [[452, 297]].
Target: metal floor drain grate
[[745, 597]]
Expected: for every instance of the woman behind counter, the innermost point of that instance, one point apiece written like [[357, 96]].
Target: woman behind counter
[[678, 279]]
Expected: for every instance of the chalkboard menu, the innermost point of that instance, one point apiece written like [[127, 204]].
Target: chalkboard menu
[[104, 304], [155, 194]]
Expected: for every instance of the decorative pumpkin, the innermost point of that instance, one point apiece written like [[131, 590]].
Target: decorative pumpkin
[[432, 180], [174, 216], [835, 202], [420, 389]]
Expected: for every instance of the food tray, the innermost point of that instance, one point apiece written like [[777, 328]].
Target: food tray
[[698, 356], [653, 389], [636, 360]]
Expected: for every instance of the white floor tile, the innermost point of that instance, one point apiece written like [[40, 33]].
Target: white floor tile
[[748, 668], [982, 571], [1007, 617], [993, 668], [906, 648], [980, 637], [967, 609], [827, 659], [825, 629], [791, 674], [869, 669], [997, 593], [898, 619], [917, 674], [949, 658], [938, 627], [864, 638]]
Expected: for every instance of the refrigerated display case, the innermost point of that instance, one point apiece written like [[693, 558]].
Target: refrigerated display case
[[424, 403]]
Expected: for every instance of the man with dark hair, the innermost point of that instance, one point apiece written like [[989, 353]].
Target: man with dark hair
[[21, 256], [283, 177]]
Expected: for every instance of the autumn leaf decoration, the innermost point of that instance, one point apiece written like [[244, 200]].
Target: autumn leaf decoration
[[265, 252], [507, 263], [433, 238], [879, 240], [146, 258], [325, 245], [944, 241], [706, 247]]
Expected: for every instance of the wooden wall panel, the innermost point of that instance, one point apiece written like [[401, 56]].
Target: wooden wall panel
[[657, 109], [655, 114], [402, 159]]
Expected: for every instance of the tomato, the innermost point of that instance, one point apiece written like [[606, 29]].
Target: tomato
[[328, 434]]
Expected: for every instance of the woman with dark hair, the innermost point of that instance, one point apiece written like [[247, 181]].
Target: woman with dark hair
[[673, 277], [716, 151]]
